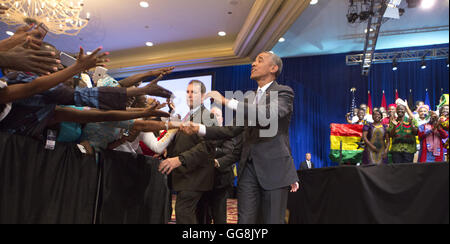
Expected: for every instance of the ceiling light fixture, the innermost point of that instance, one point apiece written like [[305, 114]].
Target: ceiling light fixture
[[314, 2], [424, 64], [426, 4], [144, 4], [149, 44], [60, 16], [222, 33], [282, 39], [395, 65]]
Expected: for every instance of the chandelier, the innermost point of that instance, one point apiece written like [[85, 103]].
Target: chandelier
[[60, 16]]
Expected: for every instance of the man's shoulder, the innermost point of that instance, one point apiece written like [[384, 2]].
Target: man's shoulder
[[281, 87]]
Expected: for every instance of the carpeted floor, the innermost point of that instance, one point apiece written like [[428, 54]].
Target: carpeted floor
[[232, 213]]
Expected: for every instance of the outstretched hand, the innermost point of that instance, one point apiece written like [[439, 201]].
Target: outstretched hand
[[153, 89], [28, 60], [217, 97], [190, 128], [21, 35], [86, 62], [152, 110], [162, 71]]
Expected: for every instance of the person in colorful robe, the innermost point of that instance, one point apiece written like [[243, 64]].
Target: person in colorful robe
[[376, 138]]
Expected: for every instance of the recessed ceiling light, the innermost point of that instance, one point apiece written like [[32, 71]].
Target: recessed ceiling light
[[282, 39], [314, 2], [144, 4], [10, 33], [89, 53], [149, 44], [222, 33], [427, 3]]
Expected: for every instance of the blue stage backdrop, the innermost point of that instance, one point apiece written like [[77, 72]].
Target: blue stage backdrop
[[322, 85]]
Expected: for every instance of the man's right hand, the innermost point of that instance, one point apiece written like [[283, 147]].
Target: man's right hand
[[28, 60]]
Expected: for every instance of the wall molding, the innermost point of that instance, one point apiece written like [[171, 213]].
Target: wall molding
[[267, 21]]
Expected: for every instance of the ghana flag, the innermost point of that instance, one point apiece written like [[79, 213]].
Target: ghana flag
[[350, 135]]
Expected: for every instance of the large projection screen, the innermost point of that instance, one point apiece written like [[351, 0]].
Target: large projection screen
[[179, 85]]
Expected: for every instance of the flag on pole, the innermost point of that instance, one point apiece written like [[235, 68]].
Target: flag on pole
[[369, 104], [353, 90], [411, 100], [344, 145], [383, 101], [427, 99]]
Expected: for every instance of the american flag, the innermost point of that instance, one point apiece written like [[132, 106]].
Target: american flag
[[353, 90]]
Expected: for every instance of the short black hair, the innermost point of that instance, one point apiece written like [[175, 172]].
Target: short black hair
[[377, 111], [277, 61], [418, 102]]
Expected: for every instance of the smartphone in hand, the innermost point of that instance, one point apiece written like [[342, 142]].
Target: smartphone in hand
[[43, 30], [67, 60], [99, 74]]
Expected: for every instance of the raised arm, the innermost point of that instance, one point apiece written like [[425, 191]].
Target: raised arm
[[134, 79], [43, 83], [280, 104], [156, 146], [67, 114]]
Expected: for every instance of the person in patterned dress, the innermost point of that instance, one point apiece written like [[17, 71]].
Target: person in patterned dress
[[376, 138]]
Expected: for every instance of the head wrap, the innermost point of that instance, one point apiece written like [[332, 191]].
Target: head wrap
[[444, 100]]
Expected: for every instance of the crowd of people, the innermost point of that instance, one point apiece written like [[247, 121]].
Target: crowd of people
[[42, 98], [407, 136]]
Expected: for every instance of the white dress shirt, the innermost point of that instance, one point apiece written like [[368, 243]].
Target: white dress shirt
[[233, 104]]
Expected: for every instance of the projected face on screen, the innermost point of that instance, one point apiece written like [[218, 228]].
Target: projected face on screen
[[185, 98]]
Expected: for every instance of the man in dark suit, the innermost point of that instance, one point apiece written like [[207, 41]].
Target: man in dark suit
[[307, 164], [191, 159], [228, 152], [266, 168]]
